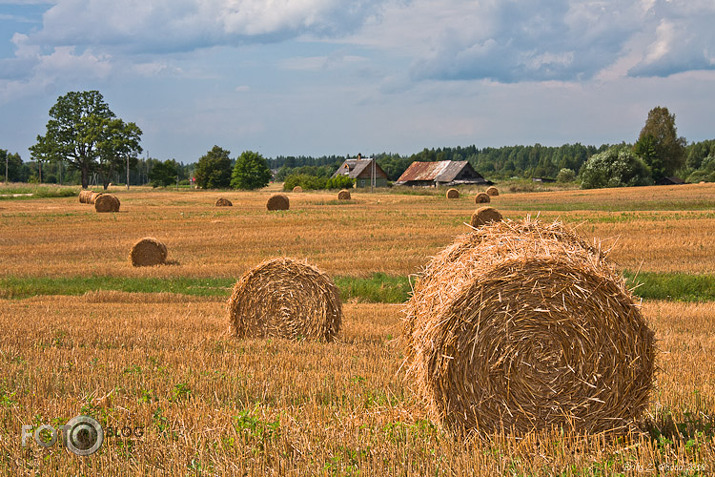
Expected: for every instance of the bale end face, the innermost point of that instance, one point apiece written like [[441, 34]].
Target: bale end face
[[492, 191], [106, 203], [278, 202], [482, 198], [148, 252], [297, 189], [344, 195], [484, 215], [284, 298], [453, 194], [222, 202], [521, 326]]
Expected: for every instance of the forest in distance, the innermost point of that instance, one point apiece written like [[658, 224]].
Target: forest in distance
[[494, 163]]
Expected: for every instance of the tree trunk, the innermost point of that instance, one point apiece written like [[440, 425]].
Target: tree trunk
[[85, 177]]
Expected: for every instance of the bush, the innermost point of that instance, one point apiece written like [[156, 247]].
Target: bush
[[340, 182], [305, 181], [566, 175], [616, 167], [706, 172]]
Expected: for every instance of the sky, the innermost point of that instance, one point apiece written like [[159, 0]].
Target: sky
[[324, 77]]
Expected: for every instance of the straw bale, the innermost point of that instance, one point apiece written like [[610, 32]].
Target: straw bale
[[297, 189], [482, 198], [344, 195], [484, 215], [278, 202], [148, 252], [222, 202], [285, 298], [492, 191], [84, 196], [106, 203], [453, 194], [522, 326]]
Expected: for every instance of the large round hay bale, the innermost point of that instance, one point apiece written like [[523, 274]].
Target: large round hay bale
[[148, 252], [285, 298], [84, 196], [453, 194], [278, 202], [221, 202], [297, 189], [520, 326], [482, 198], [106, 203], [484, 215], [492, 191], [344, 195]]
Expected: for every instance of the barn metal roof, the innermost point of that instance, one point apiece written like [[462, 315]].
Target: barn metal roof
[[441, 171]]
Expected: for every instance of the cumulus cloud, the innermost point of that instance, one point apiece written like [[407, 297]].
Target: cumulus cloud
[[184, 25], [514, 41]]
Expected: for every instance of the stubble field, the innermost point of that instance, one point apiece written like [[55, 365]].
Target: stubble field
[[74, 341]]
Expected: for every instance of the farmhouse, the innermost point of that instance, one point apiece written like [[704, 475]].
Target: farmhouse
[[441, 173], [363, 171]]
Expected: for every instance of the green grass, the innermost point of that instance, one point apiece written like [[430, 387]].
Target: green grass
[[37, 191], [672, 286], [379, 288]]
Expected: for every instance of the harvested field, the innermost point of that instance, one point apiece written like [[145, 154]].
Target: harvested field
[[209, 404]]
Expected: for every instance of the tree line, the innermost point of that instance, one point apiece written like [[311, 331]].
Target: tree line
[[85, 143]]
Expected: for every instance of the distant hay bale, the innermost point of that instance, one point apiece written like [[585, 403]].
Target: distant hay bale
[[482, 198], [453, 194], [297, 189], [106, 203], [492, 191], [278, 202], [522, 326], [148, 252], [93, 197], [84, 196], [285, 298], [221, 202], [344, 195], [484, 215]]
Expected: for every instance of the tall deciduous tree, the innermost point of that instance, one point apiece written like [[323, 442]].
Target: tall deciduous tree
[[659, 145], [250, 172], [83, 131], [213, 171]]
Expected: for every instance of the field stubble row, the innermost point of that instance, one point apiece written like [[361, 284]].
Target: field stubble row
[[206, 401], [388, 233]]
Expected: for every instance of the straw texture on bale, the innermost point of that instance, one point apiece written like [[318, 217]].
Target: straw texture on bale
[[453, 194], [520, 326], [285, 298], [278, 202], [84, 196], [484, 215], [492, 191], [93, 196], [344, 195], [221, 202], [482, 198], [297, 189], [148, 252], [106, 203]]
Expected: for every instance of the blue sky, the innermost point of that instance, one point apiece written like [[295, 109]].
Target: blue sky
[[318, 77]]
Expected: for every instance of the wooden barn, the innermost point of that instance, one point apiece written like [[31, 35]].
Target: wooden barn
[[366, 172], [441, 173]]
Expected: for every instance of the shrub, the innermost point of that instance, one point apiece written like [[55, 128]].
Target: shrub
[[340, 182], [616, 167], [566, 175]]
